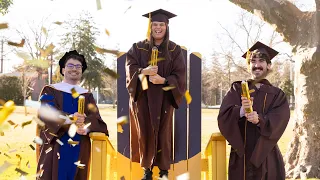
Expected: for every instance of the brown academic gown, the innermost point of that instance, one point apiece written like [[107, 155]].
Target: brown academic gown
[[263, 157], [49, 162], [151, 110]]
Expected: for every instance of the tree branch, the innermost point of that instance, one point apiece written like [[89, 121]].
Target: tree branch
[[281, 13]]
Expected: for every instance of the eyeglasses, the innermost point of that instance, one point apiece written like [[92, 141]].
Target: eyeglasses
[[71, 66]]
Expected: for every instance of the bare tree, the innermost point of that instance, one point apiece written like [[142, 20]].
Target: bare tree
[[301, 30]]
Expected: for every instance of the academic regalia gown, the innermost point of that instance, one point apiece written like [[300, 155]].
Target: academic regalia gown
[[58, 164], [151, 110], [262, 155]]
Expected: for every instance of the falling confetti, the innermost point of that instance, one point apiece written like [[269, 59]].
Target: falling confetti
[[1, 133], [23, 173], [17, 44], [58, 154], [48, 150], [92, 107], [12, 150], [79, 164], [38, 63], [16, 126], [72, 130], [111, 73], [60, 142], [26, 123], [159, 150], [44, 30], [75, 94], [58, 22], [27, 164], [122, 120], [188, 97], [7, 109], [168, 88], [184, 176], [103, 51], [11, 123], [73, 143], [53, 134], [119, 128], [4, 166], [107, 32], [4, 25], [31, 146], [144, 81], [98, 4], [48, 50], [86, 126], [7, 155]]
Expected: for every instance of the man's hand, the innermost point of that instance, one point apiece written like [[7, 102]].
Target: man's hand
[[150, 70], [246, 103], [79, 119], [81, 130], [156, 79], [253, 117]]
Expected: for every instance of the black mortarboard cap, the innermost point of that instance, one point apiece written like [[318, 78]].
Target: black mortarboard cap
[[65, 57], [262, 49], [160, 15]]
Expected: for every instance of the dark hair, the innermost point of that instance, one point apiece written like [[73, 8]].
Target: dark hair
[[76, 57]]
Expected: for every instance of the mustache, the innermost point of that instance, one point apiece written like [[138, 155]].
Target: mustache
[[257, 68]]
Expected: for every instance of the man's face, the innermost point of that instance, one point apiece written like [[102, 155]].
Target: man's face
[[259, 67], [158, 30], [72, 70]]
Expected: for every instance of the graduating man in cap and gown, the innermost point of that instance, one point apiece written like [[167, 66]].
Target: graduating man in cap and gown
[[58, 157], [151, 109], [253, 136]]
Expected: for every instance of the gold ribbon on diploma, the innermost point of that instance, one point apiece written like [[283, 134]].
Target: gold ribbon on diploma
[[81, 104], [154, 56]]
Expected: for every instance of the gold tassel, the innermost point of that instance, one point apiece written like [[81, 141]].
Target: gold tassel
[[149, 27]]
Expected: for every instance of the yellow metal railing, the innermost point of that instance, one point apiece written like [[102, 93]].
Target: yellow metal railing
[[214, 163]]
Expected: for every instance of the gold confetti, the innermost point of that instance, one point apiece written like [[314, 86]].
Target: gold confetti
[[21, 172], [107, 32], [8, 145], [1, 133], [168, 88], [4, 166], [92, 107], [31, 146], [17, 44], [38, 140], [144, 81], [122, 120], [184, 176], [7, 109], [58, 22], [75, 94], [72, 118], [7, 155], [188, 97], [58, 154], [74, 143], [103, 51], [48, 150], [53, 134], [2, 102], [72, 130], [44, 30], [111, 73], [98, 4], [251, 91], [27, 164], [79, 164], [16, 126], [4, 25], [12, 150], [38, 63], [119, 128], [11, 123], [48, 50], [60, 142], [86, 126], [159, 150], [26, 123]]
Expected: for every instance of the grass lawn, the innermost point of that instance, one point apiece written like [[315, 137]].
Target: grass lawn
[[17, 140]]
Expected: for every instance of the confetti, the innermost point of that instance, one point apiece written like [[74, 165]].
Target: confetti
[[107, 32], [103, 51], [7, 109], [4, 166], [58, 154], [168, 88], [16, 126], [48, 150], [79, 164], [122, 120], [184, 176], [251, 91], [1, 133], [72, 130], [53, 134], [92, 107], [60, 142], [33, 104], [48, 50], [21, 172], [98, 4], [73, 143], [58, 22], [86, 126], [144, 82], [159, 150], [26, 123], [8, 145], [38, 140], [44, 30], [75, 94], [4, 25], [31, 146], [27, 164], [12, 150], [7, 155], [188, 97], [17, 44], [119, 128], [111, 73], [11, 123]]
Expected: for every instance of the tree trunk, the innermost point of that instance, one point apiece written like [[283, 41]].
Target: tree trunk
[[301, 30]]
